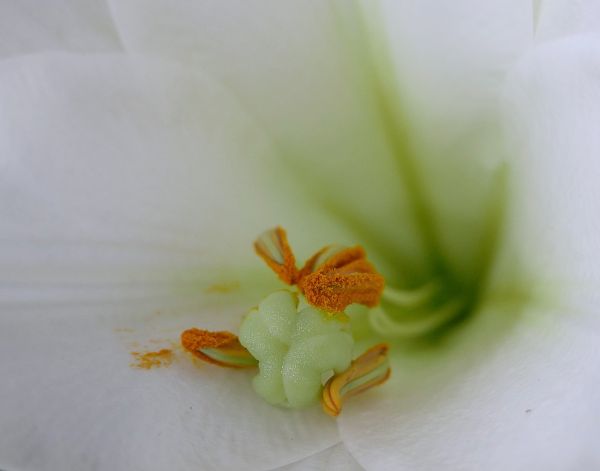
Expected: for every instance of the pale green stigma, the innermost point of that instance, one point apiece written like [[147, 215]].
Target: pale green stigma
[[295, 346]]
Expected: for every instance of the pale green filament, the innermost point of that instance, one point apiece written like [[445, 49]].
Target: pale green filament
[[414, 313], [411, 298], [416, 323], [235, 360], [446, 299], [295, 345], [378, 372]]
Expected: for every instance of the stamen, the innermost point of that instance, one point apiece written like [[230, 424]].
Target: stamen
[[335, 291], [416, 323], [295, 339], [319, 259], [343, 257], [272, 246], [345, 277], [412, 298], [368, 370], [219, 348], [331, 279]]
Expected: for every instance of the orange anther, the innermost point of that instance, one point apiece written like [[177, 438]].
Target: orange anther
[[331, 279], [273, 247], [334, 291], [219, 348], [368, 370]]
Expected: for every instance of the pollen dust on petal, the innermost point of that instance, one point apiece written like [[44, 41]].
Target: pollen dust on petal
[[223, 287], [156, 359], [123, 330]]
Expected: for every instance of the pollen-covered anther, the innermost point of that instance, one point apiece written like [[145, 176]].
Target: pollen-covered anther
[[273, 247], [219, 348], [343, 258], [368, 370], [346, 277], [331, 279], [335, 291]]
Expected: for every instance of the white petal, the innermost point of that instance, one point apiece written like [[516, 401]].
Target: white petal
[[126, 171], [30, 26], [317, 93], [553, 107], [557, 18], [516, 389], [451, 58], [335, 458], [120, 170], [448, 64], [295, 67], [70, 400]]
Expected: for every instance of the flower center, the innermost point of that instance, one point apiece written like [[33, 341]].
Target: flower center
[[298, 339]]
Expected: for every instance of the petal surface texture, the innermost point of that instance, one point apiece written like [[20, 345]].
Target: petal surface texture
[[558, 18], [441, 68], [71, 400], [499, 395], [311, 91], [29, 26], [118, 177], [130, 189], [335, 458], [316, 90], [125, 176]]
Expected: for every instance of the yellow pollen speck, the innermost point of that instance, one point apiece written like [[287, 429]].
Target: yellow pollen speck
[[148, 360], [223, 288]]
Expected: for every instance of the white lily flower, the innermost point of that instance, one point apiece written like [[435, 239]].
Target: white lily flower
[[145, 143]]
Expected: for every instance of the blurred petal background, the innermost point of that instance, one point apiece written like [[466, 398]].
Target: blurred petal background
[[145, 143]]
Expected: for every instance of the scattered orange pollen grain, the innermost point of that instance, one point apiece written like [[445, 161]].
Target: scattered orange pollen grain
[[147, 360]]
